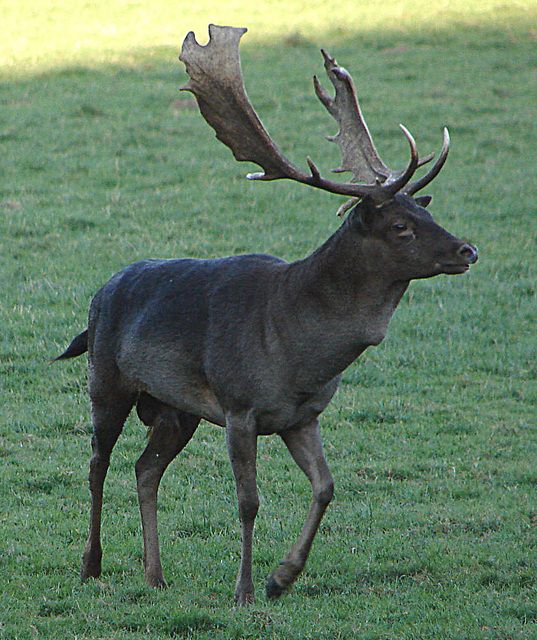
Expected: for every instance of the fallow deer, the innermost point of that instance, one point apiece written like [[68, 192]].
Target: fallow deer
[[253, 343]]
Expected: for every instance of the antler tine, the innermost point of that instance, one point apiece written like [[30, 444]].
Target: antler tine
[[415, 186], [397, 181]]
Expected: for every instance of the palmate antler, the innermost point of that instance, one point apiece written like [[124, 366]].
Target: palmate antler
[[216, 81]]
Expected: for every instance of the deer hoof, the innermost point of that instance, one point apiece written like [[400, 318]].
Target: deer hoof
[[157, 582], [89, 572], [274, 589], [91, 565], [244, 599]]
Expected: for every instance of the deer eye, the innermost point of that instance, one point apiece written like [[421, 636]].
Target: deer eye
[[403, 231]]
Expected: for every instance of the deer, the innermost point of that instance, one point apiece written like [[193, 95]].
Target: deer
[[253, 343]]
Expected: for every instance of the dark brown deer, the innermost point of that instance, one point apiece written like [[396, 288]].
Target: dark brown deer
[[253, 343]]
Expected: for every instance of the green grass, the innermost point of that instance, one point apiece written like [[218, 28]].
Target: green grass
[[432, 438]]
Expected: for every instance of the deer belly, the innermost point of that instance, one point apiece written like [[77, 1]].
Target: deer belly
[[295, 411], [197, 400]]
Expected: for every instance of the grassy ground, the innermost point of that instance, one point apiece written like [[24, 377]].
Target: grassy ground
[[432, 438]]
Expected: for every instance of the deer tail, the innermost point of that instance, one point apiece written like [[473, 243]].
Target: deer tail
[[78, 346]]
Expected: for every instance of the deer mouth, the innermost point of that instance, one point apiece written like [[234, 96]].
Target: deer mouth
[[453, 269]]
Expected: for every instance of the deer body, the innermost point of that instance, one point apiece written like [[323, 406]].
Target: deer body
[[220, 350], [252, 343]]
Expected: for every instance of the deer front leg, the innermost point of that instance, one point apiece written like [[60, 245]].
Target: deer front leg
[[241, 439], [305, 446]]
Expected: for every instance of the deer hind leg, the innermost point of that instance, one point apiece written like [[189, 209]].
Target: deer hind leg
[[242, 448], [171, 431], [305, 446], [109, 411]]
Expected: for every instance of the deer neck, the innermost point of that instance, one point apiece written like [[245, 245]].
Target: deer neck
[[341, 299]]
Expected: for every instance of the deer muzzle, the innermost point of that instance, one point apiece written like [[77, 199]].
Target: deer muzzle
[[465, 256], [468, 252]]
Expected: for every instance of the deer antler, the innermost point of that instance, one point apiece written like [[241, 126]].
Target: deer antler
[[417, 185], [358, 151], [217, 83]]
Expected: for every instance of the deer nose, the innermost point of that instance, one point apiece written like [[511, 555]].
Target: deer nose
[[468, 252]]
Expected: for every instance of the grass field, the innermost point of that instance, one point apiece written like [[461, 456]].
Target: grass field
[[432, 438]]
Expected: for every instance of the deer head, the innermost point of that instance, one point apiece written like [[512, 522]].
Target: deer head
[[217, 83]]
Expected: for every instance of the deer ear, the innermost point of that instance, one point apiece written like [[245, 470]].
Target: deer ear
[[423, 201]]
